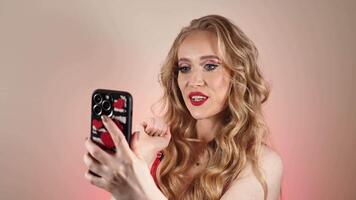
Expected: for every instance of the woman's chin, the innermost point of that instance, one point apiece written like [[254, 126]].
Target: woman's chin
[[204, 114], [198, 115]]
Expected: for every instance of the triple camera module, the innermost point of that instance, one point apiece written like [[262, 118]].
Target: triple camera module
[[102, 104]]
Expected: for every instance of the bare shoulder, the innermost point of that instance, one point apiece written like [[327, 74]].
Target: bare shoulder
[[271, 162], [248, 186]]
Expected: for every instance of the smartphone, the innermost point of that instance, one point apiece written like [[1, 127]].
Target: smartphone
[[118, 106]]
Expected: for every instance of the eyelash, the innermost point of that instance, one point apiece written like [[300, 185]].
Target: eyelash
[[180, 69]]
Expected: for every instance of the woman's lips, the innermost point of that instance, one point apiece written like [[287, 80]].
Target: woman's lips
[[197, 98]]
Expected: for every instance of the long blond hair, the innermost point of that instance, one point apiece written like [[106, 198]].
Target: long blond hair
[[242, 128]]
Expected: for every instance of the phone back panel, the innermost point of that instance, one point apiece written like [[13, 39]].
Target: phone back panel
[[118, 106]]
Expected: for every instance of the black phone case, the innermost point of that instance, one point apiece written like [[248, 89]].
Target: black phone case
[[118, 106]]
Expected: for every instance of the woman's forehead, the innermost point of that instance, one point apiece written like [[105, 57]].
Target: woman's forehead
[[198, 45]]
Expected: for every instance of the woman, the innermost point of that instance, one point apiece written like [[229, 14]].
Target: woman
[[215, 143]]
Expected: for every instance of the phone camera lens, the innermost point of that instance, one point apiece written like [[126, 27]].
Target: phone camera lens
[[97, 98], [97, 110], [106, 105]]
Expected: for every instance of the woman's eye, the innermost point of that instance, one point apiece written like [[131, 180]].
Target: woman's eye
[[183, 69], [210, 67]]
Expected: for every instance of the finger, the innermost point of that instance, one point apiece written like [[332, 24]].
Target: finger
[[159, 124], [144, 124], [134, 143], [168, 134], [164, 131], [158, 132], [147, 127], [94, 180], [95, 167], [92, 164], [158, 127], [154, 131], [134, 140], [96, 152], [150, 126], [151, 133], [117, 136]]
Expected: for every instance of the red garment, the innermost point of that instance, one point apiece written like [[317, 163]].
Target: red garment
[[155, 166]]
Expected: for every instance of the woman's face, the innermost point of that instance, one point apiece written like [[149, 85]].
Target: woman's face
[[202, 80]]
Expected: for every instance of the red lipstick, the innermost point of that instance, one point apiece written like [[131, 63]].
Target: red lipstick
[[197, 98]]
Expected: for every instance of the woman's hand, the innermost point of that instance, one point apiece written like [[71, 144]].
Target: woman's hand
[[154, 137], [123, 174]]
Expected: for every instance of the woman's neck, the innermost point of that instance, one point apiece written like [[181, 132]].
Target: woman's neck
[[206, 129]]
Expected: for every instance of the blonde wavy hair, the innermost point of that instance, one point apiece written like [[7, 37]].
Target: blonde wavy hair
[[242, 128]]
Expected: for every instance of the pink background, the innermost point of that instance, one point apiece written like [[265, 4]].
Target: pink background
[[53, 54]]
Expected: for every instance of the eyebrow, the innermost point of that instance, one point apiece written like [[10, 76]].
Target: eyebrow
[[201, 58]]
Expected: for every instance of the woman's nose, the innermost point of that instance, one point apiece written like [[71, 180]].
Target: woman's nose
[[196, 79]]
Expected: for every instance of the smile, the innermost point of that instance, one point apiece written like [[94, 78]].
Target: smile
[[197, 98]]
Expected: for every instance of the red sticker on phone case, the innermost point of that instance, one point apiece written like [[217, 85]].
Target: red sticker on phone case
[[97, 124], [107, 140], [121, 127], [119, 103]]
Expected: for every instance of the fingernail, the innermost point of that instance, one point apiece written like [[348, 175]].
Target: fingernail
[[104, 118]]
